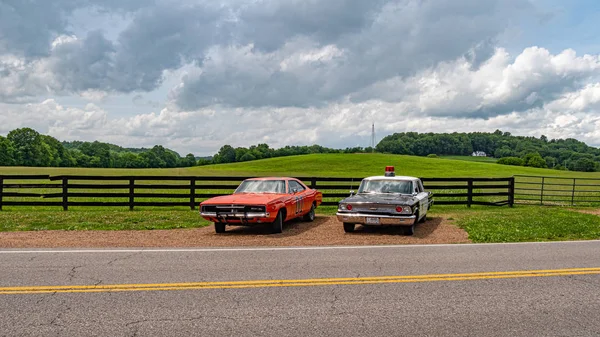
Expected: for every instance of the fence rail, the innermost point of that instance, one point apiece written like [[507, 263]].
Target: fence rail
[[188, 191], [548, 190]]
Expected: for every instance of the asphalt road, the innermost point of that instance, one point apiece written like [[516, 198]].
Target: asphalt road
[[533, 289]]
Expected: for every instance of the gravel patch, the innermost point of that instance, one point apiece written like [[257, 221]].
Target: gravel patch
[[595, 211], [323, 231]]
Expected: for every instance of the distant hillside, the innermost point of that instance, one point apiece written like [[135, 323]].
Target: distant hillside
[[26, 147], [327, 165], [76, 144], [560, 154]]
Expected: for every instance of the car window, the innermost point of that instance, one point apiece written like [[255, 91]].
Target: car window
[[261, 186], [294, 184], [386, 186]]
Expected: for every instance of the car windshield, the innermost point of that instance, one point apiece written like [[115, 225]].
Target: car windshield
[[261, 186], [385, 186]]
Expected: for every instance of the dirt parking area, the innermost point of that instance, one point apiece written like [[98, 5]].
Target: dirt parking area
[[323, 231]]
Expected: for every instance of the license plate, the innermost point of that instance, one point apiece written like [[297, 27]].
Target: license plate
[[372, 221]]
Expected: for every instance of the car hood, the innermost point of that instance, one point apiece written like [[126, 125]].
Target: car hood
[[244, 198], [381, 199]]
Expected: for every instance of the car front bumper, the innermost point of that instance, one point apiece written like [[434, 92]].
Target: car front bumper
[[381, 220], [239, 218]]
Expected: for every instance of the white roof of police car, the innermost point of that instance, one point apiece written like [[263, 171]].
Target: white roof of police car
[[391, 178]]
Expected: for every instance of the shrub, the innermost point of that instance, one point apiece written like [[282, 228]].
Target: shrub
[[432, 155], [534, 159], [514, 161]]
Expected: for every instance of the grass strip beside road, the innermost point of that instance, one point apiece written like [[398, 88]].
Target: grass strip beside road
[[36, 220], [482, 223], [527, 223], [297, 283]]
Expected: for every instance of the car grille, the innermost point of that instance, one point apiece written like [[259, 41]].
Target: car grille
[[232, 208], [375, 209]]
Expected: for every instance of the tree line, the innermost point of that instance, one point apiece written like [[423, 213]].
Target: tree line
[[27, 147], [560, 154], [229, 154]]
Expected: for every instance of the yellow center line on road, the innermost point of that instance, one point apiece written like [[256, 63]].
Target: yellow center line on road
[[296, 283]]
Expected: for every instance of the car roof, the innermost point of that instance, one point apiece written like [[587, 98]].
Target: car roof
[[271, 178], [392, 178]]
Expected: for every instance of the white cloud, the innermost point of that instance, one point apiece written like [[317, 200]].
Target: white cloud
[[286, 72], [204, 131], [498, 86]]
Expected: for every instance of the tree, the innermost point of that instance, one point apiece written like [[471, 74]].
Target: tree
[[7, 152], [534, 160], [550, 161], [27, 146], [247, 157], [514, 161], [504, 151], [97, 150], [130, 160], [189, 160], [584, 165], [57, 154], [226, 155]]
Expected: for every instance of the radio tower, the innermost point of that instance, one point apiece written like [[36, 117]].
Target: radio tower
[[373, 138]]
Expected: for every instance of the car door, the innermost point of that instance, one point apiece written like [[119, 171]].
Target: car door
[[423, 197], [299, 194]]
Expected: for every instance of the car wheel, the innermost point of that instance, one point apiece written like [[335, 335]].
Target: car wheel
[[310, 216], [219, 227], [409, 230], [348, 227], [277, 225], [423, 219]]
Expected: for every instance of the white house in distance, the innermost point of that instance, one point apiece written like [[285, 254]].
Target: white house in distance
[[478, 154]]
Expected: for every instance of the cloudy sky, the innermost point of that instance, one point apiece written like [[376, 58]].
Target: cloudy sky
[[194, 75]]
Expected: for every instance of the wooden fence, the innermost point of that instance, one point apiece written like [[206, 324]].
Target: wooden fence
[[189, 191]]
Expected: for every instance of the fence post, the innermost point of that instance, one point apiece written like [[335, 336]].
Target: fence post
[[511, 191], [572, 194], [313, 182], [131, 193], [193, 193], [542, 192], [469, 192], [65, 194], [1, 190]]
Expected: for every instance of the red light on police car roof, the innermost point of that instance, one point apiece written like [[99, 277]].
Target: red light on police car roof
[[389, 169], [349, 207], [399, 209]]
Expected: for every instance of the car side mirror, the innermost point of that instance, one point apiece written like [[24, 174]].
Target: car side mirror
[[415, 194], [351, 192]]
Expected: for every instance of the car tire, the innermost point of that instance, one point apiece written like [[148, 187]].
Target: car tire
[[348, 227], [409, 230], [310, 216], [423, 219], [219, 227], [277, 225]]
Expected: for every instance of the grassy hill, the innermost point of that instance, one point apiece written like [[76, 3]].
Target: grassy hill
[[471, 158], [334, 165]]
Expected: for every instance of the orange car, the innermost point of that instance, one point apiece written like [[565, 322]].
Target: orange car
[[271, 200]]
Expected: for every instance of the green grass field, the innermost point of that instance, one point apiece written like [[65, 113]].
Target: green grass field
[[325, 165], [472, 158], [484, 224]]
